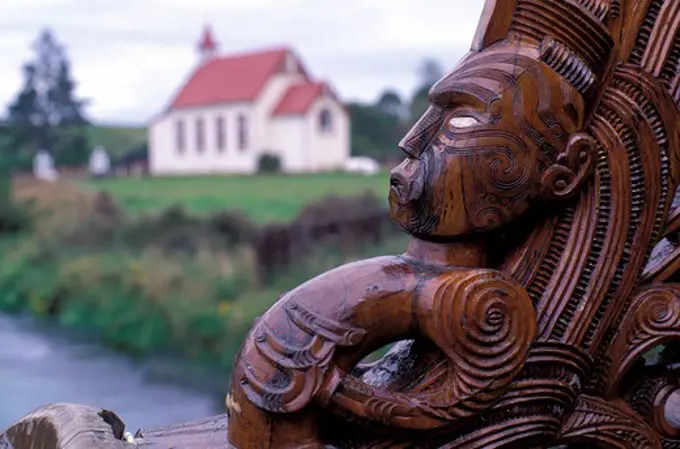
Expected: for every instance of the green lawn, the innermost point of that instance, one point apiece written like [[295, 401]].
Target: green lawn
[[118, 140], [264, 198]]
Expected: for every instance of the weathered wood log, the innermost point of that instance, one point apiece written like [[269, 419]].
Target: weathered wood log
[[74, 426], [208, 433], [65, 426]]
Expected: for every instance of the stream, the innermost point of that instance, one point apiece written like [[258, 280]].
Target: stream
[[42, 364]]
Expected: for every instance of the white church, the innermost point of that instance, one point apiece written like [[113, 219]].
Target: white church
[[235, 108]]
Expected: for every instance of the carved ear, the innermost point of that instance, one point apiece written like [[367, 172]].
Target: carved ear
[[571, 169]]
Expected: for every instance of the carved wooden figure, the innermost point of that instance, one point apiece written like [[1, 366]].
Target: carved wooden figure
[[535, 188], [539, 190]]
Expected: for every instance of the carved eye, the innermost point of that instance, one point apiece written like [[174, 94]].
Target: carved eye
[[463, 122]]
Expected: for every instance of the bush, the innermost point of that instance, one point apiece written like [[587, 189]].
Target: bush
[[269, 163], [233, 227], [334, 209], [13, 217], [175, 231], [172, 231], [137, 302], [171, 281]]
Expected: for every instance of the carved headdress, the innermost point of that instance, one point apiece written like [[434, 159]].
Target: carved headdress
[[572, 37], [586, 267], [622, 55]]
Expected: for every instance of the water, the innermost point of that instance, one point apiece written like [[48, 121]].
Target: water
[[40, 364]]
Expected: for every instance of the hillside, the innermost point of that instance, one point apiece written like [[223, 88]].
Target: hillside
[[118, 140], [263, 198]]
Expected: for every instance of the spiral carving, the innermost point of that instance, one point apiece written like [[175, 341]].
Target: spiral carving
[[505, 171], [504, 183], [488, 213], [485, 323], [652, 319]]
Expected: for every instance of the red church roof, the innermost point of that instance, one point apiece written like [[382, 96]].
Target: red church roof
[[230, 79], [299, 98]]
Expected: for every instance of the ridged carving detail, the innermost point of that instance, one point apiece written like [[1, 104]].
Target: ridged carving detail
[[645, 32], [301, 368], [568, 64], [599, 8], [653, 318], [589, 38], [607, 424]]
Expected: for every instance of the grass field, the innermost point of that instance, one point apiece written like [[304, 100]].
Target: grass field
[[264, 198], [118, 140]]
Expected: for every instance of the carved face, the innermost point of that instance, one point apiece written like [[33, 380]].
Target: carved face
[[480, 154]]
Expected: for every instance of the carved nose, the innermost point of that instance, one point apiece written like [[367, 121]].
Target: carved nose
[[404, 181], [398, 184]]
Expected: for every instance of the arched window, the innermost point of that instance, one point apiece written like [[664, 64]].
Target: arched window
[[325, 121]]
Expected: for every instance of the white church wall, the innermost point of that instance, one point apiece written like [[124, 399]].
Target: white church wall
[[166, 158], [269, 98], [290, 142], [328, 149]]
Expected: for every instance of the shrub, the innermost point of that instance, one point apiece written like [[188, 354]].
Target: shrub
[[13, 217], [137, 302], [172, 281], [175, 231], [233, 227], [269, 163], [334, 209]]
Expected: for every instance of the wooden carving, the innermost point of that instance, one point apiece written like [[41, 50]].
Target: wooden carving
[[535, 187], [539, 189]]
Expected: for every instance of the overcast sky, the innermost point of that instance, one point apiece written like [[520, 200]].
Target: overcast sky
[[129, 56]]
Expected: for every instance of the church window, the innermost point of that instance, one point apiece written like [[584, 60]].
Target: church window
[[220, 134], [325, 121], [242, 133], [180, 137], [200, 135]]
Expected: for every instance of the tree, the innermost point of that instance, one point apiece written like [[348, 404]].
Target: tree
[[374, 132], [390, 103], [378, 128], [430, 71], [45, 114], [420, 102]]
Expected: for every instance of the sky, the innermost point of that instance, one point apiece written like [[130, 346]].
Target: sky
[[129, 57]]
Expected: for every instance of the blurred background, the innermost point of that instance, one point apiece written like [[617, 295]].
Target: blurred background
[[168, 168]]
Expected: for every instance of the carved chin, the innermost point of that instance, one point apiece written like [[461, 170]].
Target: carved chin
[[400, 213]]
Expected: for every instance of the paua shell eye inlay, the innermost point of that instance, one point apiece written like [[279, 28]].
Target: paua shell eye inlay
[[463, 122]]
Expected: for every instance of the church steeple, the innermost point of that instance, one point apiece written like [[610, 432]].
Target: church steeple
[[207, 46]]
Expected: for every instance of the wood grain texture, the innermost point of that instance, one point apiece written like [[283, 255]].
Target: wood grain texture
[[65, 426], [208, 433], [540, 189]]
